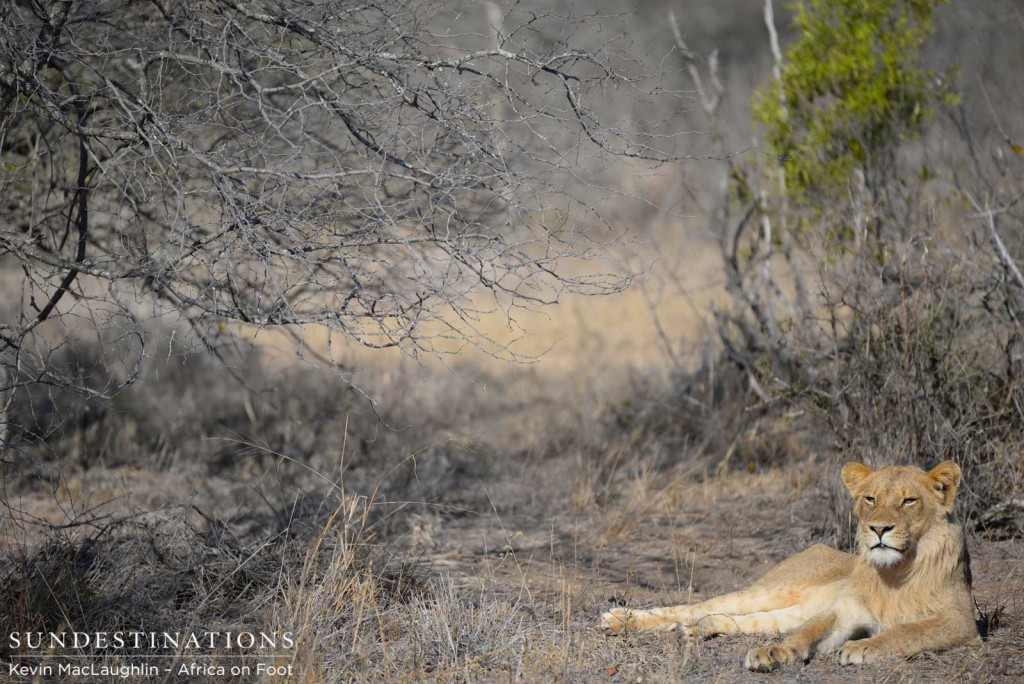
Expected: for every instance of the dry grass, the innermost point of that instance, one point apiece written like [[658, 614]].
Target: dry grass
[[477, 544]]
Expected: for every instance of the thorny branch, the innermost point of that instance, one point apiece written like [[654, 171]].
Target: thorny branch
[[342, 164]]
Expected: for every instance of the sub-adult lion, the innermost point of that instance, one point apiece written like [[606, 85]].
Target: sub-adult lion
[[907, 590]]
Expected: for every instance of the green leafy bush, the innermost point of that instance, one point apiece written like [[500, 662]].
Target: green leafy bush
[[853, 86]]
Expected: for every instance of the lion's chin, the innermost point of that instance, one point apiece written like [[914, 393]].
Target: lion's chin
[[884, 557]]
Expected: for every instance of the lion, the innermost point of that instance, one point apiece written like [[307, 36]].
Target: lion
[[906, 591]]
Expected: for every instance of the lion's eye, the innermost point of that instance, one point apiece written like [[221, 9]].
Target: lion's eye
[[869, 500], [909, 501]]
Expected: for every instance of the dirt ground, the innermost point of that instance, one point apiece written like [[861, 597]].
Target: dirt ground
[[513, 549], [687, 541]]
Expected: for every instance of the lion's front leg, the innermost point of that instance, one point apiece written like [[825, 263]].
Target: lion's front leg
[[934, 633], [795, 648]]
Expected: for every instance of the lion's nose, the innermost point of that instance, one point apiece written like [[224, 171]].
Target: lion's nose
[[881, 529]]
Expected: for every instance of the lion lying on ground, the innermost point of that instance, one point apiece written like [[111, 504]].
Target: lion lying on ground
[[908, 589]]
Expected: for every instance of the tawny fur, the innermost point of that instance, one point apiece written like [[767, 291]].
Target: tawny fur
[[907, 591]]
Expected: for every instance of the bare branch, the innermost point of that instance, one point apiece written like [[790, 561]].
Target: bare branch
[[710, 100]]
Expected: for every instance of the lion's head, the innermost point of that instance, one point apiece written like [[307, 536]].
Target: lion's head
[[896, 507]]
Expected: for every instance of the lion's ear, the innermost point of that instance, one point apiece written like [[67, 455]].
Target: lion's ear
[[854, 474], [946, 479]]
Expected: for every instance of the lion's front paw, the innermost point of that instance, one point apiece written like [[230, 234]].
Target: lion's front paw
[[618, 621], [859, 653], [767, 658]]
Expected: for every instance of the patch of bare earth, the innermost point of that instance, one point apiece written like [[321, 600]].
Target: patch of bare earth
[[678, 543]]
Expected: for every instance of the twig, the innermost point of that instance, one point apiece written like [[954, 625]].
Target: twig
[[709, 102], [1004, 256], [773, 38]]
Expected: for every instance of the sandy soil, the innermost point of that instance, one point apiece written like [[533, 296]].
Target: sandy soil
[[565, 568]]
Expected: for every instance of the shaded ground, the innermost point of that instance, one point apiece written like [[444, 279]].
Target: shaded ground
[[480, 544]]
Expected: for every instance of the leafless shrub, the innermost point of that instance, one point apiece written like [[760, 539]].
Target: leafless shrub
[[180, 571], [892, 317], [359, 167], [157, 572], [882, 324]]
